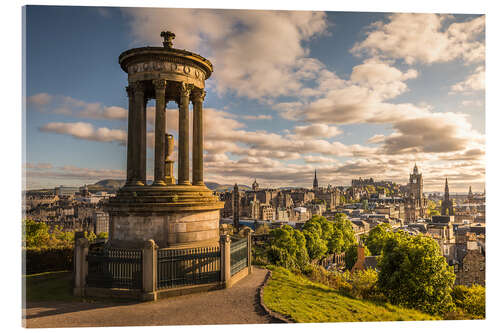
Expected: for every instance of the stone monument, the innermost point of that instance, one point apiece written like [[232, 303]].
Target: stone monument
[[174, 215]]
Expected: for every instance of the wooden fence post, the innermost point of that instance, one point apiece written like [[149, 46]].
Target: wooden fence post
[[149, 269], [81, 266]]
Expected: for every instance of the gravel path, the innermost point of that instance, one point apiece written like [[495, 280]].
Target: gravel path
[[236, 305]]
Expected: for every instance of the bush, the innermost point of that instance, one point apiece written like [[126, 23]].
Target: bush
[[414, 274], [335, 280], [470, 300], [364, 284], [39, 260]]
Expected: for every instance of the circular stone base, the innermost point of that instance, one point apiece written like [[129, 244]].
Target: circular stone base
[[173, 216]]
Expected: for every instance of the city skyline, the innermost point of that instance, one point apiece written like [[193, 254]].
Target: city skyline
[[327, 91]]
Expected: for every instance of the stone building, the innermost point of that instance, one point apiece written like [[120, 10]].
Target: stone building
[[415, 202], [470, 266]]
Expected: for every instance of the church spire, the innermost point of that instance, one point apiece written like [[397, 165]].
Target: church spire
[[315, 182]]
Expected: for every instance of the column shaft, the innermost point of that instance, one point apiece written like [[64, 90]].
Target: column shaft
[[198, 138], [130, 135], [160, 86], [183, 166], [140, 128]]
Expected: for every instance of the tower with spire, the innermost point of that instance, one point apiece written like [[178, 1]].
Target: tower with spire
[[470, 196], [447, 203], [236, 207], [315, 182], [415, 204], [255, 185]]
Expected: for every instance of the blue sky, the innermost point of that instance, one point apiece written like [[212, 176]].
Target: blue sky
[[350, 94]]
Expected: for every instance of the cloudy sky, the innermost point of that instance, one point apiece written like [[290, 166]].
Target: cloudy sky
[[349, 94]]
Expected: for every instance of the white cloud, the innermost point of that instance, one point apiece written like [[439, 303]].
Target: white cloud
[[317, 131], [86, 131], [473, 82], [258, 117], [257, 54], [70, 106], [40, 99], [422, 38]]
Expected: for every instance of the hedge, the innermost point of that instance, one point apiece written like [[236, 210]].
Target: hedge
[[39, 260]]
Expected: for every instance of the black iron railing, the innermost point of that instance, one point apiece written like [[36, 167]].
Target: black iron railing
[[184, 267], [239, 255], [114, 268]]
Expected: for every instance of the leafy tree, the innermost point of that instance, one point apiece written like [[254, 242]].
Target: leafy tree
[[470, 299], [414, 274], [102, 235], [35, 234], [351, 255], [342, 226], [316, 246], [288, 248], [377, 237], [365, 205]]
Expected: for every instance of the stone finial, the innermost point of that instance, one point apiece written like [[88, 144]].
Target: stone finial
[[150, 244], [168, 36]]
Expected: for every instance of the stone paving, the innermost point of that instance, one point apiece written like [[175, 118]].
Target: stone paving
[[236, 305]]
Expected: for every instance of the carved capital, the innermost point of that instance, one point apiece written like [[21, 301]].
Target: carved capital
[[138, 87], [160, 84], [198, 96], [186, 89]]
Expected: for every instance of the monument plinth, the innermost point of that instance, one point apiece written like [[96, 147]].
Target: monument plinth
[[182, 214]]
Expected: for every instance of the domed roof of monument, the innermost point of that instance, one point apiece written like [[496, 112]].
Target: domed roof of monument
[[167, 52]]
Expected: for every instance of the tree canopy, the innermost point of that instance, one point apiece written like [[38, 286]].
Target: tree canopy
[[414, 274], [377, 237]]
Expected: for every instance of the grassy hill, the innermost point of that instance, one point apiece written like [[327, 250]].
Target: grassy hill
[[308, 302]]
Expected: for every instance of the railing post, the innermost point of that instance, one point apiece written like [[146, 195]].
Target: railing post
[[225, 260], [249, 233], [149, 268], [81, 266]]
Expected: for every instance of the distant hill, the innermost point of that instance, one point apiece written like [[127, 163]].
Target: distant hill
[[108, 185], [227, 187]]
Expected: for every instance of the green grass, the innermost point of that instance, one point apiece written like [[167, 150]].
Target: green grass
[[308, 302], [49, 286]]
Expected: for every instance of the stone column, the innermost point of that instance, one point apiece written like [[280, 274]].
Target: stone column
[[198, 98], [141, 102], [249, 233], [160, 86], [183, 165], [136, 141], [81, 266], [225, 260], [130, 136], [149, 268]]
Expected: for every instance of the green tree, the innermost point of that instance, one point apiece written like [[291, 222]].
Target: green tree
[[287, 248], [414, 274], [377, 237], [342, 226], [102, 234], [35, 234], [316, 246]]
